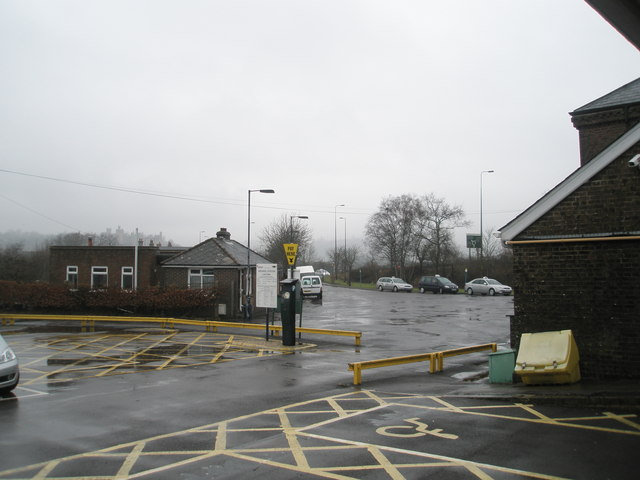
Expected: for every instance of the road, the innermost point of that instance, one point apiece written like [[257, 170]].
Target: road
[[136, 403]]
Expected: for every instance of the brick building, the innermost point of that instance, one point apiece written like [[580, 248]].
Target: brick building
[[108, 266], [577, 249], [218, 262]]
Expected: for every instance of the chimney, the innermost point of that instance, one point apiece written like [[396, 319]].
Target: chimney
[[223, 234], [90, 241]]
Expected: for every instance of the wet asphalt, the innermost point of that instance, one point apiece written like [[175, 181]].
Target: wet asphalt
[[402, 415]]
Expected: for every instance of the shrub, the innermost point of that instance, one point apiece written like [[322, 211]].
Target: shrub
[[44, 297]]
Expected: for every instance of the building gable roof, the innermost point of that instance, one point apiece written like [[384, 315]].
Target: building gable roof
[[570, 184], [215, 252], [628, 94]]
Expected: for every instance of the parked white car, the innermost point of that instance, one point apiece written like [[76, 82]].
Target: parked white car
[[487, 286], [393, 284], [9, 370]]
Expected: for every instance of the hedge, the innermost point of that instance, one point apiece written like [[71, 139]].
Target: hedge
[[46, 298]]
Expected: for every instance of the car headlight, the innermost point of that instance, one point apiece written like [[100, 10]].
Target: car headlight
[[7, 355]]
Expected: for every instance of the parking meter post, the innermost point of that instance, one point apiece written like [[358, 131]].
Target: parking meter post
[[289, 293], [300, 312]]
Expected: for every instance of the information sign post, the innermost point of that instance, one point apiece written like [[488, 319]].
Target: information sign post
[[267, 288]]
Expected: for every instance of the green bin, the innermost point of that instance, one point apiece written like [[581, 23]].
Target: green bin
[[501, 366]]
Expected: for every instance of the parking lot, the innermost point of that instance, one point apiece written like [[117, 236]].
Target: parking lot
[[133, 402]]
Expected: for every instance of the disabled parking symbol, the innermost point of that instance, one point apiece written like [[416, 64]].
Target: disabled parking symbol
[[421, 429]]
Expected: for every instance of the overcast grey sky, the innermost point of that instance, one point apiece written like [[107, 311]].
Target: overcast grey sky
[[327, 102]]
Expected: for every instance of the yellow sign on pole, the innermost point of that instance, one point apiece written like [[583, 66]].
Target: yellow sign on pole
[[291, 250]]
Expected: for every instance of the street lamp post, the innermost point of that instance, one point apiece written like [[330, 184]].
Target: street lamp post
[[291, 239], [481, 232], [345, 247], [247, 307], [335, 241]]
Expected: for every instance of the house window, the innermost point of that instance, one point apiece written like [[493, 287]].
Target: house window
[[126, 278], [72, 276], [201, 278], [99, 277]]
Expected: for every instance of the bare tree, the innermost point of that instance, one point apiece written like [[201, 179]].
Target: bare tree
[[390, 231], [435, 228], [286, 229], [491, 246], [349, 257]]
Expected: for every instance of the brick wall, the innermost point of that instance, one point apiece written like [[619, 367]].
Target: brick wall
[[588, 287], [598, 130], [227, 284], [114, 258]]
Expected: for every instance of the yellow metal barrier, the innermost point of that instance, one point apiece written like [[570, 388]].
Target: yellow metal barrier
[[88, 322], [435, 359]]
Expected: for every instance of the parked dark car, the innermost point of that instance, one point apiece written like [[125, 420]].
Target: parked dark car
[[436, 284]]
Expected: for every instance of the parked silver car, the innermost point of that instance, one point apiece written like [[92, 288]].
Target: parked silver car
[[9, 371], [487, 286], [393, 284]]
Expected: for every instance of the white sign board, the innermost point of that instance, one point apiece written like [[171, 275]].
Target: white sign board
[[267, 285]]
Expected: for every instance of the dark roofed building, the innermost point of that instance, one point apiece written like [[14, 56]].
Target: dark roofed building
[[96, 266], [577, 249], [218, 263], [603, 121]]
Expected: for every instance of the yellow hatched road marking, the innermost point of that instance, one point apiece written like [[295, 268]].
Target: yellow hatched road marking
[[57, 352], [222, 351], [292, 439], [181, 351], [221, 437], [130, 454], [449, 406], [48, 467], [623, 419], [388, 466], [129, 462], [540, 419], [337, 408]]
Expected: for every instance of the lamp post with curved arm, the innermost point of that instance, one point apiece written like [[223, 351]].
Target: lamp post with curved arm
[[247, 307], [481, 232], [291, 217], [335, 242]]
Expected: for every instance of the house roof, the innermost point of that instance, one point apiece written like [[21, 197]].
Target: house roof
[[626, 95], [624, 16], [570, 184], [215, 252]]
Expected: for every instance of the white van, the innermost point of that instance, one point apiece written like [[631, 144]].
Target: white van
[[311, 286], [300, 272]]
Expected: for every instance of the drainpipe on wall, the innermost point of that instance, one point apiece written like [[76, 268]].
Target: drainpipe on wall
[[135, 268]]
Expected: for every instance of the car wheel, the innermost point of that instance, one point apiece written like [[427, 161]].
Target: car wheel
[[10, 388], [380, 288], [492, 292], [421, 290], [470, 291], [439, 290], [395, 289]]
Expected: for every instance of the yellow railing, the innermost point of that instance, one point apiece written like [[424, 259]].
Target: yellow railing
[[88, 322], [435, 359]]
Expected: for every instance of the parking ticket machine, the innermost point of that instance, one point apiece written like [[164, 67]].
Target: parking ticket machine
[[290, 294]]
